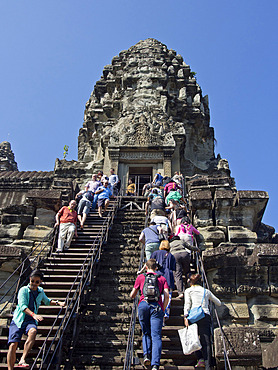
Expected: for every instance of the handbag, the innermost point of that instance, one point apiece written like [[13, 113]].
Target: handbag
[[190, 339], [196, 313], [160, 236]]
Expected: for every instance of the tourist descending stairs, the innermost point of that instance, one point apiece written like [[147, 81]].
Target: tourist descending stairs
[[62, 276]]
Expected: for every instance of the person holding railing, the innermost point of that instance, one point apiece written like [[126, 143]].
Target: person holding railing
[[186, 230], [26, 318], [150, 237], [151, 311], [181, 250], [104, 193], [67, 219], [194, 297], [158, 179]]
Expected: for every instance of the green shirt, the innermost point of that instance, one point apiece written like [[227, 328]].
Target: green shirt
[[23, 302]]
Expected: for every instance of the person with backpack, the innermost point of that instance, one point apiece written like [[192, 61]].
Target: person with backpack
[[151, 311], [185, 231]]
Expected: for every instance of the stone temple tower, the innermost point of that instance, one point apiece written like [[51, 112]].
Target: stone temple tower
[[147, 114]]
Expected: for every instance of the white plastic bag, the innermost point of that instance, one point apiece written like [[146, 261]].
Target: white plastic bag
[[189, 339]]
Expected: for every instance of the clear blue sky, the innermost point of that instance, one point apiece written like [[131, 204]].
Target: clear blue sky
[[53, 52]]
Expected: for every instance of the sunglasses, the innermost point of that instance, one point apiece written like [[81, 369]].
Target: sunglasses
[[35, 281]]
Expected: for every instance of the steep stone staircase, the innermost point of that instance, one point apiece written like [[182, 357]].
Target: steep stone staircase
[[103, 329], [102, 332], [60, 271]]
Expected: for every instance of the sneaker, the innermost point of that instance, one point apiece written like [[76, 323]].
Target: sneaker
[[180, 296], [155, 367], [147, 360], [201, 363], [66, 248]]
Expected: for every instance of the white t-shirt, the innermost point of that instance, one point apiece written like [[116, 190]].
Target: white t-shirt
[[193, 298]]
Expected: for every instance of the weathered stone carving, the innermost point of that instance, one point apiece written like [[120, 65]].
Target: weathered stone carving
[[142, 100], [7, 161]]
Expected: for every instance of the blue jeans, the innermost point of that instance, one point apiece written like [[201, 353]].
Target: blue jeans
[[83, 206], [94, 202], [151, 320]]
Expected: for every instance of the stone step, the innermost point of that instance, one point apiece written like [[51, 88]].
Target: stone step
[[172, 357], [59, 294], [104, 279]]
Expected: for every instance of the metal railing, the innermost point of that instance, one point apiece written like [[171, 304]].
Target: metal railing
[[201, 271], [130, 341], [33, 260], [49, 355]]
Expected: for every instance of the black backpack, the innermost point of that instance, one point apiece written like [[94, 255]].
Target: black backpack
[[151, 291]]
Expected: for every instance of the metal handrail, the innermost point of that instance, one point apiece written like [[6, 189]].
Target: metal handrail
[[18, 283], [91, 260], [130, 341], [206, 284], [27, 257]]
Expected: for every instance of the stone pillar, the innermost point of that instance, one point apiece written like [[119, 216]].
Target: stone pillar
[[176, 166], [167, 162], [114, 154]]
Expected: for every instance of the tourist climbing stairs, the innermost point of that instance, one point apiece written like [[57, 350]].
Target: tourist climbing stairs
[[65, 279], [104, 325], [172, 357]]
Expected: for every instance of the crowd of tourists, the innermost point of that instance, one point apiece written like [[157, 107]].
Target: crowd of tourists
[[168, 240]]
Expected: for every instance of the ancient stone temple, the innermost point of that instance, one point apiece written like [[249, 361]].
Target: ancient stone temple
[[147, 114]]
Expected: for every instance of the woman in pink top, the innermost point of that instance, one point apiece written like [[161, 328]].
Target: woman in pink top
[[185, 231]]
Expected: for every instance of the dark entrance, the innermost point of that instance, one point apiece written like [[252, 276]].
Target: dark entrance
[[140, 176]]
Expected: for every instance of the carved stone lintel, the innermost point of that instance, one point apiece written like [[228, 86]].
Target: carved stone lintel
[[141, 155]]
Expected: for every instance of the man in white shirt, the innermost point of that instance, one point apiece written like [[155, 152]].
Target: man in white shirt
[[113, 181]]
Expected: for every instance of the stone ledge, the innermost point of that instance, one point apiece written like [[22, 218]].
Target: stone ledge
[[242, 344]]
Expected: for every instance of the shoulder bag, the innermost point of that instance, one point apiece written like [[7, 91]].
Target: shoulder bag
[[196, 313]]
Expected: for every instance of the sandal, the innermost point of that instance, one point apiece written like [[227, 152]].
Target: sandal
[[22, 364], [200, 363]]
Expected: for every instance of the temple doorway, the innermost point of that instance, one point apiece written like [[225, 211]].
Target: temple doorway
[[140, 176]]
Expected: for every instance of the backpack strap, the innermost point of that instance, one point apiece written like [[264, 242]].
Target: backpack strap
[[153, 231]]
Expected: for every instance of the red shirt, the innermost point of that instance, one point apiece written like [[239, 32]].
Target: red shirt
[[162, 284], [67, 215]]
